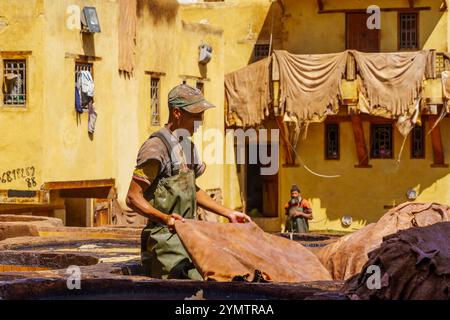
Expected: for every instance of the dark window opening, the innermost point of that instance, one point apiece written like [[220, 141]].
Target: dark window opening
[[260, 51], [418, 142], [381, 141], [332, 141], [155, 102], [14, 85], [408, 30]]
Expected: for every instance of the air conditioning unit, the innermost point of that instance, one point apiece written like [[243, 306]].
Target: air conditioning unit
[[205, 54], [89, 20]]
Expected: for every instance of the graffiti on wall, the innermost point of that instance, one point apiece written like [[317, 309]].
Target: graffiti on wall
[[27, 174]]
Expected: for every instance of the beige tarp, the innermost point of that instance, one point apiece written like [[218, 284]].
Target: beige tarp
[[414, 265], [346, 257], [247, 93], [310, 85], [226, 251], [127, 35], [391, 82]]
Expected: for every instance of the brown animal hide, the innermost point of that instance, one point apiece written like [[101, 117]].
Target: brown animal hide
[[347, 256], [230, 251]]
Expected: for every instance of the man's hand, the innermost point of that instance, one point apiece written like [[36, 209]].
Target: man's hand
[[238, 217], [170, 221]]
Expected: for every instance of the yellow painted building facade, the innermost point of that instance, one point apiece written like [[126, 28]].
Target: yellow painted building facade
[[46, 137], [48, 140]]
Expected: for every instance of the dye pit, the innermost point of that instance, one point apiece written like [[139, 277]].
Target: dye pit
[[111, 270]]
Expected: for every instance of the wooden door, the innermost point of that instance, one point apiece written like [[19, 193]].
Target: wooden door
[[358, 36]]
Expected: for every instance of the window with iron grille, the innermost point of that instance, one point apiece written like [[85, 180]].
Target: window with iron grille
[[381, 141], [418, 142], [260, 51], [332, 141], [83, 66], [14, 82], [155, 102], [408, 30]]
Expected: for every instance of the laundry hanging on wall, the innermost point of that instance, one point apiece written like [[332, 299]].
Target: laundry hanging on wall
[[310, 84], [247, 94]]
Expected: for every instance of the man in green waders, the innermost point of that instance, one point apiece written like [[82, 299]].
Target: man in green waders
[[163, 187]]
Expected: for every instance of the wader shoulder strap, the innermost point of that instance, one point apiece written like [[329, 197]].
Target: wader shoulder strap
[[164, 136]]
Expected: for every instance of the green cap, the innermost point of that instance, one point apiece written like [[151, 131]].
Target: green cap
[[189, 99]]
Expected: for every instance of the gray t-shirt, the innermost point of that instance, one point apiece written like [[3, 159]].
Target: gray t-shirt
[[154, 152]]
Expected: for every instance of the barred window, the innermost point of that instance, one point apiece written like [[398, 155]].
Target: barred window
[[408, 30], [155, 102], [15, 81], [332, 141], [418, 142], [260, 51], [381, 141], [201, 86], [83, 66]]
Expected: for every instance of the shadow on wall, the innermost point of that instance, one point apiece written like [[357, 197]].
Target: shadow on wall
[[159, 9]]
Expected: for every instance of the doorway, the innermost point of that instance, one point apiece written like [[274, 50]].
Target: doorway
[[260, 191]]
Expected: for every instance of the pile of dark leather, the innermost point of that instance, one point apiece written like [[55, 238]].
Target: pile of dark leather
[[346, 257]]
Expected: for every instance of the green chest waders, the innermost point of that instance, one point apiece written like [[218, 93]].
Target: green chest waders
[[162, 253]]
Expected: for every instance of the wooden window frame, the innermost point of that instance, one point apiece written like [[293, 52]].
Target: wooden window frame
[[423, 142], [373, 126], [399, 14], [155, 120], [326, 128]]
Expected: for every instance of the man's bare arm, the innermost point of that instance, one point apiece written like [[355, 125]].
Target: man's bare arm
[[206, 202], [137, 202]]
